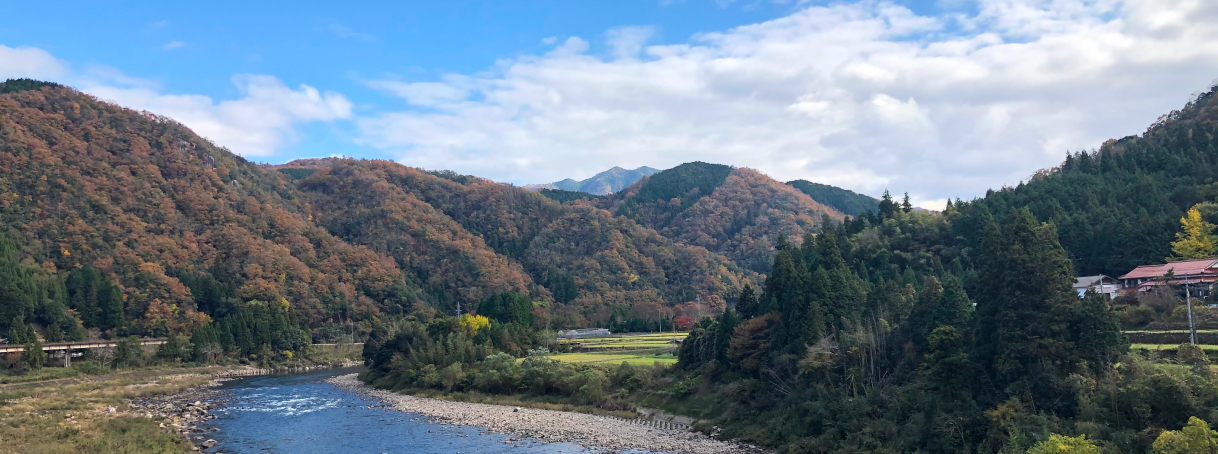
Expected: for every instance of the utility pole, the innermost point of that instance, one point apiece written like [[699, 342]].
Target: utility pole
[[660, 319], [1188, 299], [698, 304]]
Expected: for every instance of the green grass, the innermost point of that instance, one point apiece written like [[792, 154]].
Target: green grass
[[634, 357]]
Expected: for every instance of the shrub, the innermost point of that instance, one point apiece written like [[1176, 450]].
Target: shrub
[[1061, 444]]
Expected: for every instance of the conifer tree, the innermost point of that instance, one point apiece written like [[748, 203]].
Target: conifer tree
[[34, 356], [746, 304]]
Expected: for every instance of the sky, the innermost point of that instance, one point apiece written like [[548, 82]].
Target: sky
[[938, 98]]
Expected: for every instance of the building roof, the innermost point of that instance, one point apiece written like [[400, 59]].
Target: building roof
[[1181, 268], [1088, 281]]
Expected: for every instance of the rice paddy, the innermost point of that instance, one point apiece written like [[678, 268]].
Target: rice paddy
[[1169, 347], [633, 357], [626, 342], [635, 349]]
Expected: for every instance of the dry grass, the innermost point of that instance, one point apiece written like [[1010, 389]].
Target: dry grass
[[71, 416]]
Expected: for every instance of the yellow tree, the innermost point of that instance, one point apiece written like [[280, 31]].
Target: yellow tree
[[1193, 241], [1196, 437], [1061, 444]]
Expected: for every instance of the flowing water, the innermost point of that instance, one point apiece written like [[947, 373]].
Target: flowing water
[[303, 414]]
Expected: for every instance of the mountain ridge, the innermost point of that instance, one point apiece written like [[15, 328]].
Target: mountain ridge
[[604, 183]]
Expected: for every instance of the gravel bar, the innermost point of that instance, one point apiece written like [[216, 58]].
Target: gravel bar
[[598, 433]]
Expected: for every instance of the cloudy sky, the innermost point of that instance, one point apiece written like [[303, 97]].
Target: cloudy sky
[[940, 98]]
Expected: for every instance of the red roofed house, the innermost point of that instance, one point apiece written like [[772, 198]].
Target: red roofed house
[[1199, 274]]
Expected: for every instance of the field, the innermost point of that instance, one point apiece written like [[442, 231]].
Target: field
[[626, 342], [1169, 347], [633, 357], [635, 349]]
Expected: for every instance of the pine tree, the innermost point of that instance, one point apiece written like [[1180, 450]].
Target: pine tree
[[34, 356], [888, 208], [1194, 241], [906, 206], [746, 304]]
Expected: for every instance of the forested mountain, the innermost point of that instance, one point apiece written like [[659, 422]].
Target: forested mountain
[[737, 212], [180, 230], [358, 202], [604, 183], [1119, 206], [471, 238], [149, 229], [846, 201]]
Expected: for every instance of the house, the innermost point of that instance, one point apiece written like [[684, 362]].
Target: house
[[1100, 284], [1200, 275]]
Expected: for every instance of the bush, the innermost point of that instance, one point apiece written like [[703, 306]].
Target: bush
[[499, 374], [1061, 444], [452, 376]]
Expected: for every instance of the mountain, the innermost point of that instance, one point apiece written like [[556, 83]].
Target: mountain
[[607, 182], [184, 229], [846, 201], [737, 212], [1120, 206], [467, 238]]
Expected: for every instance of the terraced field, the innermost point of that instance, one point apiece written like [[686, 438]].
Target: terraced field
[[626, 342], [1169, 347], [633, 357], [635, 349]]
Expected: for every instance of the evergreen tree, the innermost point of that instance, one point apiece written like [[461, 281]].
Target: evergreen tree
[[906, 206], [746, 304], [1033, 345], [34, 356], [888, 208]]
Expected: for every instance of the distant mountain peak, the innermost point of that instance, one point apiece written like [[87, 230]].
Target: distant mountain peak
[[610, 181]]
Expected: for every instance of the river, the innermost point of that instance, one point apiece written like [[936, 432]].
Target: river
[[302, 414]]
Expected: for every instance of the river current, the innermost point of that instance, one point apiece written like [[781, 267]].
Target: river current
[[301, 413]]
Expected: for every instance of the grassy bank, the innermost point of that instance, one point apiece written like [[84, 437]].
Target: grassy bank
[[72, 415]]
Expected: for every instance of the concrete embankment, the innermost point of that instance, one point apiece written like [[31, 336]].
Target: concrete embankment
[[595, 432]]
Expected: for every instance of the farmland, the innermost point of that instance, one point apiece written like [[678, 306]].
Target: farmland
[[637, 349]]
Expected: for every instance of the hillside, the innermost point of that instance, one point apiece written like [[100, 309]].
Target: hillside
[[184, 229], [737, 212], [1119, 207], [127, 206], [848, 202], [470, 237], [604, 183], [358, 202]]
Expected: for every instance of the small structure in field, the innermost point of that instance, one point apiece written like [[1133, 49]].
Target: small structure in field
[[583, 333]]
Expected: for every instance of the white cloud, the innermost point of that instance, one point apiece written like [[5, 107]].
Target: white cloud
[[31, 62], [257, 124], [172, 45], [865, 95]]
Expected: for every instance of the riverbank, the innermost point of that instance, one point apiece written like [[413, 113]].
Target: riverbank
[[139, 411], [595, 432], [91, 415]]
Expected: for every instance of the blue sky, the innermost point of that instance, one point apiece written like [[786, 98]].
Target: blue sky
[[939, 98]]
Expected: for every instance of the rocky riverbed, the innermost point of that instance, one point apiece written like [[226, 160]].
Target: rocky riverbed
[[185, 411], [595, 432]]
